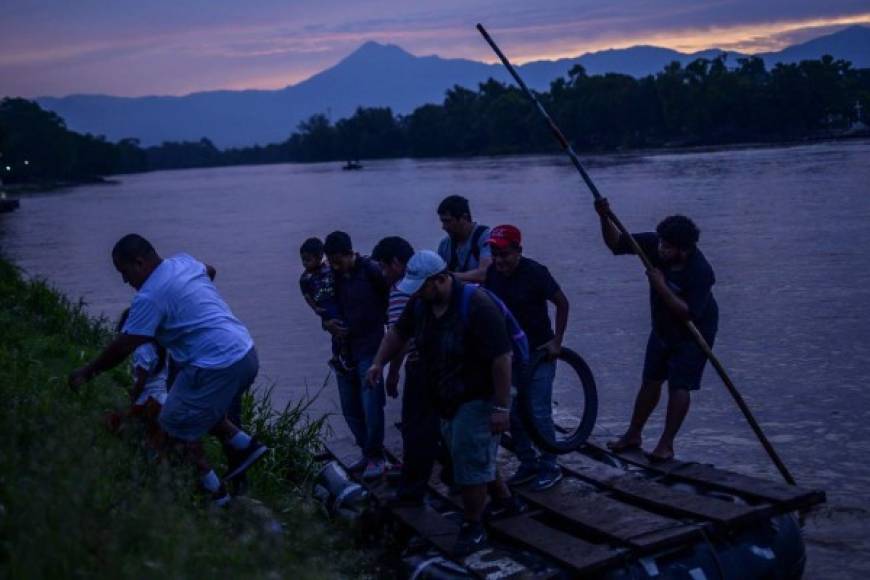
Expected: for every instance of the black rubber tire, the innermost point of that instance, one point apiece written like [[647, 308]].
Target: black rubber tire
[[572, 440]]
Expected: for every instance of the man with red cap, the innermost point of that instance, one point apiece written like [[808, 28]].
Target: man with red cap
[[525, 286]]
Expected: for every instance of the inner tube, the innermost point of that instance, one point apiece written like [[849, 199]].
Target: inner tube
[[564, 441]]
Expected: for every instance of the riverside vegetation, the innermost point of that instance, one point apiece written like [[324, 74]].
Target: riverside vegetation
[[77, 501], [707, 102]]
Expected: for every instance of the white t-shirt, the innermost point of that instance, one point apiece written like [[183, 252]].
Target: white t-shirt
[[180, 307], [147, 358]]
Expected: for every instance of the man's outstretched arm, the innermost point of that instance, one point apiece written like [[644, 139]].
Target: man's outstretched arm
[[391, 345], [113, 355]]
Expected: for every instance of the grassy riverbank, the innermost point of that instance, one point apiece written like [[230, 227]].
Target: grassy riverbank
[[76, 501]]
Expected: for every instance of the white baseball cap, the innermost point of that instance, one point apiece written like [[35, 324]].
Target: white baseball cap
[[422, 266]]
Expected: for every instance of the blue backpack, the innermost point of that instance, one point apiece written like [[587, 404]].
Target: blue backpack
[[520, 342]]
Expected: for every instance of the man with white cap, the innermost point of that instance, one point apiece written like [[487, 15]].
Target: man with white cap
[[464, 346]]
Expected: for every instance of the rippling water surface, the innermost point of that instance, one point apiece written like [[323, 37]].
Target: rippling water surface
[[786, 229]]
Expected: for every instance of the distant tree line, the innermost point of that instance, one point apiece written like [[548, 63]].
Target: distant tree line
[[702, 103]]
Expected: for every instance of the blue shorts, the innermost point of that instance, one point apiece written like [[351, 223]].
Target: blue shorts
[[472, 444], [200, 398], [679, 362]]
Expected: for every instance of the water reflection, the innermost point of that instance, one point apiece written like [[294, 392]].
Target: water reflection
[[786, 230]]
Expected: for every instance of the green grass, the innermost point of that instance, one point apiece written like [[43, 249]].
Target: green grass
[[78, 502]]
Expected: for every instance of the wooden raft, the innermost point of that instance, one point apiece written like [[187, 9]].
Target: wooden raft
[[601, 516]]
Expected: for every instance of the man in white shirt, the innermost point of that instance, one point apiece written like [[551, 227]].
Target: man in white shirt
[[178, 305]]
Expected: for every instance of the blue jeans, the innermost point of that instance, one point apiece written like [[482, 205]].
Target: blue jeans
[[363, 408], [538, 394]]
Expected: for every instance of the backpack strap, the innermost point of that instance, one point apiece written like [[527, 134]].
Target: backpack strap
[[465, 300], [518, 337], [474, 250], [475, 242]]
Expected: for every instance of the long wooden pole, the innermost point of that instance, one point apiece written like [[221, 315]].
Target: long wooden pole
[[693, 330]]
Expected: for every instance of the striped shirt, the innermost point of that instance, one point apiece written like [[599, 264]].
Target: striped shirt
[[396, 306], [397, 303]]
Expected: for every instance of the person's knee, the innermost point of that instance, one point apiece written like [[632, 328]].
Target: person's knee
[[680, 393], [651, 385]]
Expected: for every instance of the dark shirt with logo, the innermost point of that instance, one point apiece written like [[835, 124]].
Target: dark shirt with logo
[[526, 292], [457, 356], [693, 284], [362, 300]]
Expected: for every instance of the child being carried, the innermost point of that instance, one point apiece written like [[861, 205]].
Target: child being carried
[[317, 284], [150, 369]]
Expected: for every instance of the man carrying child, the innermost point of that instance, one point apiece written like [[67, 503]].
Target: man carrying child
[[178, 306], [317, 284], [361, 294]]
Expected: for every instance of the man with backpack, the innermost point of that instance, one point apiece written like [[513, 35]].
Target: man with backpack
[[361, 293], [464, 247], [462, 336]]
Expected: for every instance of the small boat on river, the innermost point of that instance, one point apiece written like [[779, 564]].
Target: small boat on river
[[352, 166]]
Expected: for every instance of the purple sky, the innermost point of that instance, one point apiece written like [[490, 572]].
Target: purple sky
[[142, 47]]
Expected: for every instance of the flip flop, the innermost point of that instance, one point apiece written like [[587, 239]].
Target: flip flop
[[617, 447], [658, 458]]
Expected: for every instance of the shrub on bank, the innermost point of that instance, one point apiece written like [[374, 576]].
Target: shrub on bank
[[76, 501]]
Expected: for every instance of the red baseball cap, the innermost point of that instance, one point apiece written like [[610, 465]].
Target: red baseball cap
[[504, 236]]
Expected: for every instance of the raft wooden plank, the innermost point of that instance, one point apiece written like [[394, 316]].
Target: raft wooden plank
[[661, 498], [618, 521], [430, 524], [683, 504], [792, 497], [578, 555]]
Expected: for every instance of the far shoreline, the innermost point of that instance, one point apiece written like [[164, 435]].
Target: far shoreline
[[48, 186]]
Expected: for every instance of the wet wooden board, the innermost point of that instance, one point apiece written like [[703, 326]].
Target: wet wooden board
[[663, 499], [430, 524], [567, 549], [687, 504], [434, 527], [787, 496], [606, 516]]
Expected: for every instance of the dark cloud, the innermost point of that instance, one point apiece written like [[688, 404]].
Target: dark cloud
[[129, 47]]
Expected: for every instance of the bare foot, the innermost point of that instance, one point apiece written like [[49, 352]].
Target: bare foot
[[625, 443], [661, 454]]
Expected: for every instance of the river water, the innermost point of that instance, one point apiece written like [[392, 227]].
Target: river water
[[787, 231]]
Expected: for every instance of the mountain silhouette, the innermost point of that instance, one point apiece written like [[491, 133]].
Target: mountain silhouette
[[375, 74]]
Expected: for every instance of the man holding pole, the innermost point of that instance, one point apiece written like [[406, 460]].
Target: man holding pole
[[681, 282]]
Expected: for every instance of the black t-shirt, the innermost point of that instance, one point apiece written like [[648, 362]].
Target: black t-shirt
[[451, 350], [693, 284], [526, 292]]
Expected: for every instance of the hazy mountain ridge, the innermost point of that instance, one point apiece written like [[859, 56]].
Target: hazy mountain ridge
[[373, 75]]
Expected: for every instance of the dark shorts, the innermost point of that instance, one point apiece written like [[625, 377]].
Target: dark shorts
[[679, 362], [200, 398]]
